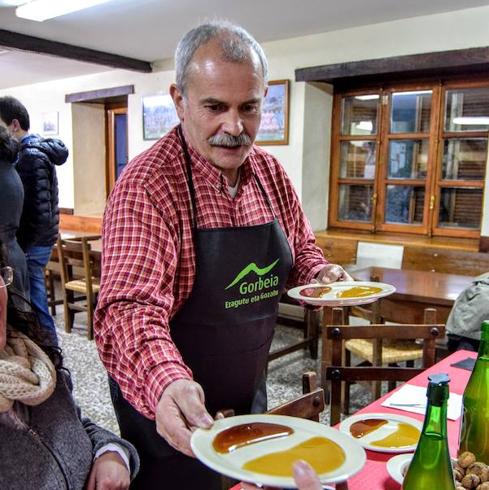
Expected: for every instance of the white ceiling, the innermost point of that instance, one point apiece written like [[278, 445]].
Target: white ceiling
[[149, 29]]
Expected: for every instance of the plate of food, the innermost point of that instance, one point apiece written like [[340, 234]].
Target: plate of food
[[261, 449], [383, 432], [341, 293]]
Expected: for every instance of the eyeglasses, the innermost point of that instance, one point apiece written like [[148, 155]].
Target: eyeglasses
[[7, 276]]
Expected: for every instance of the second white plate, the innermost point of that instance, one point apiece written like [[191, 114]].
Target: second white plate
[[330, 296], [383, 431]]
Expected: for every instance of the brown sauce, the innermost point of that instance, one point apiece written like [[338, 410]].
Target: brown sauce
[[405, 435], [315, 292], [364, 427], [242, 435], [358, 292], [322, 454]]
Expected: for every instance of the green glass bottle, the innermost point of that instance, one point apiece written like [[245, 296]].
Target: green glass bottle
[[431, 467], [474, 434]]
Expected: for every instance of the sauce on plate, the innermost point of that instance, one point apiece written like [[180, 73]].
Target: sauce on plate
[[315, 292], [405, 435], [242, 435], [364, 427], [358, 292], [321, 453]]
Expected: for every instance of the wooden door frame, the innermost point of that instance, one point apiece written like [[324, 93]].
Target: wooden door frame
[[110, 175]]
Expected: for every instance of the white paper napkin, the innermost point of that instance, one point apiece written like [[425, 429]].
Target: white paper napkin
[[412, 398]]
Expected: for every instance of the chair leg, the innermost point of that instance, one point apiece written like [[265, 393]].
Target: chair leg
[[312, 318], [69, 313], [347, 385], [51, 293]]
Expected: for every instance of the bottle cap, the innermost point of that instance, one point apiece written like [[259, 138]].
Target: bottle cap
[[437, 392]]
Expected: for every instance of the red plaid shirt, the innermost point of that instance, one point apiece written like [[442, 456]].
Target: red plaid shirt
[[148, 261]]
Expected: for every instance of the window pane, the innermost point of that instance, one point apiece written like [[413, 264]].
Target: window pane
[[355, 203], [411, 112], [408, 159], [357, 159], [359, 115], [461, 207], [464, 159], [467, 109], [404, 204]]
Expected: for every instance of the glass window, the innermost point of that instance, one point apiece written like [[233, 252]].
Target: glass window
[[411, 112], [357, 160], [404, 204], [359, 114], [464, 159], [460, 207], [467, 109], [408, 159], [355, 202]]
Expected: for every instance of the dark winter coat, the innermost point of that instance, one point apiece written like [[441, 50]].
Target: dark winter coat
[[36, 166], [54, 448]]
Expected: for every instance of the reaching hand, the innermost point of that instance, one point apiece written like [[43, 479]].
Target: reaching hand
[[181, 410], [304, 476], [332, 273], [109, 472]]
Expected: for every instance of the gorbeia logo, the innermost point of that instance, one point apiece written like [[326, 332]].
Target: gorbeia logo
[[252, 287]]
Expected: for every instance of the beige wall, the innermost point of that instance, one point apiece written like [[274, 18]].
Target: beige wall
[[307, 155]]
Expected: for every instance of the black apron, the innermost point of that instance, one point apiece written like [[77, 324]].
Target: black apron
[[223, 331]]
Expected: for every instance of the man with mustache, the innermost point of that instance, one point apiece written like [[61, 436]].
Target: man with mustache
[[202, 234]]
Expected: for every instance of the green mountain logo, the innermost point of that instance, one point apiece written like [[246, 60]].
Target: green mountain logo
[[252, 268]]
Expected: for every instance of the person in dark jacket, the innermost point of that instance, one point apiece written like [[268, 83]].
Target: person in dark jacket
[[45, 442], [39, 222], [11, 202]]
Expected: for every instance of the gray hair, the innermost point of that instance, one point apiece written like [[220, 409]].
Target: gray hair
[[234, 41]]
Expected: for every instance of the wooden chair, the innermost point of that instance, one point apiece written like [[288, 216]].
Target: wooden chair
[[78, 275], [338, 373]]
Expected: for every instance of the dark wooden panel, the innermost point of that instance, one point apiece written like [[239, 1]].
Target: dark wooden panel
[[99, 95], [338, 250], [484, 244], [419, 65], [33, 44], [448, 261]]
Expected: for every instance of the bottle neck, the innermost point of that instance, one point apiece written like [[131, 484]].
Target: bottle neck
[[484, 345], [435, 420]]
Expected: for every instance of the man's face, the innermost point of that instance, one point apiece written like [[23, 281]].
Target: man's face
[[222, 99], [9, 127]]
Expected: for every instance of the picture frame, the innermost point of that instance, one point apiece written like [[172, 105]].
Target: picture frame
[[274, 127], [159, 116], [50, 123]]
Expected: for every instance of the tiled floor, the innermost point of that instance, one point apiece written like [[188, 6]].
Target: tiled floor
[[91, 387]]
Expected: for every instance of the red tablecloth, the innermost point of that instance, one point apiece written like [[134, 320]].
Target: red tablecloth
[[374, 475]]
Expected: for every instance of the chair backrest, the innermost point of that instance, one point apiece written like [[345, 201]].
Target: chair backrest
[[76, 261], [335, 336], [307, 406]]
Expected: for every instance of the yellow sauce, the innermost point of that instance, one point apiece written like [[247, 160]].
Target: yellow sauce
[[358, 292], [405, 435], [322, 454]]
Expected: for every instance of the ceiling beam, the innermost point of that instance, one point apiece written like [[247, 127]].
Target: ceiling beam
[[38, 45], [471, 60]]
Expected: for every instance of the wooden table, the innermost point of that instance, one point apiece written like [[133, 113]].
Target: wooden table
[[415, 290]]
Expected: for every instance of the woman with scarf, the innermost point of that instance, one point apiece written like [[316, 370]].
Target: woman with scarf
[[44, 441]]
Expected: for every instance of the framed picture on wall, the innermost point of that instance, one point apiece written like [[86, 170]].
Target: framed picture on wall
[[49, 121], [274, 127], [159, 116]]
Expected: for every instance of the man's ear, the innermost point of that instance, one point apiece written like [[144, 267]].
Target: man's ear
[[15, 125], [177, 97]]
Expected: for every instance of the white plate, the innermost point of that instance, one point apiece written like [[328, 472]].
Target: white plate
[[331, 298], [396, 466], [381, 432], [231, 464]]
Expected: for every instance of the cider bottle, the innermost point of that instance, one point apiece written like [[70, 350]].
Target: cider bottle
[[431, 467], [474, 434]]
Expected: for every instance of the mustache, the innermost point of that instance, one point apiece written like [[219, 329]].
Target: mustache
[[229, 140]]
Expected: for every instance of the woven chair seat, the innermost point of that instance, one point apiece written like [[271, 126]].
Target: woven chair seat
[[80, 286], [393, 351]]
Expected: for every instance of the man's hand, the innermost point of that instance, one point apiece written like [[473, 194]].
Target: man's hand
[[109, 472], [332, 273], [180, 410], [304, 476]]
